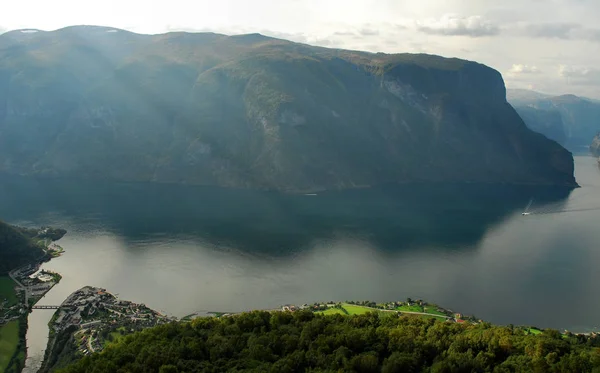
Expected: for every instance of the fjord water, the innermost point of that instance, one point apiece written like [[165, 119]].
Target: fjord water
[[183, 249]]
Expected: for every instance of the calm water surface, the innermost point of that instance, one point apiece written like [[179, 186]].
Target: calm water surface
[[187, 249]]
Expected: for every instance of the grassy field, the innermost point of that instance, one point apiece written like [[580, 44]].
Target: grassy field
[[9, 339], [356, 310], [433, 310], [114, 337], [7, 290], [439, 318], [413, 308], [332, 311], [534, 331], [353, 309]]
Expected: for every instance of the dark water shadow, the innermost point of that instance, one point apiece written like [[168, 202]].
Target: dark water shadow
[[393, 218]]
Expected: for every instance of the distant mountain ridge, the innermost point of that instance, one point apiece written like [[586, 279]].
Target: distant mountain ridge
[[580, 116], [545, 121], [595, 146], [524, 95], [249, 111]]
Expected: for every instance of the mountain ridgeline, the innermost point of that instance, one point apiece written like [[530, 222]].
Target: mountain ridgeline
[[570, 120], [547, 122], [251, 111]]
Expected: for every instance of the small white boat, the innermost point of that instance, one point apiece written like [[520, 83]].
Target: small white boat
[[526, 211]]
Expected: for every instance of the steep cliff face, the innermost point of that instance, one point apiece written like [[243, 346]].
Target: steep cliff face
[[547, 122], [251, 111]]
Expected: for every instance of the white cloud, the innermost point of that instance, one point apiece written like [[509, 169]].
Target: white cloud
[[453, 25], [593, 34], [571, 71], [523, 69], [557, 30], [582, 75]]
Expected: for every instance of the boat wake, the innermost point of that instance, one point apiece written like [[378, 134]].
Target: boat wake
[[556, 208]]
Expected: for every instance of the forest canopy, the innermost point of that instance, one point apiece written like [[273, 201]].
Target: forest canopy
[[261, 341]]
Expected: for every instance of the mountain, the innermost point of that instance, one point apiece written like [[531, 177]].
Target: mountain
[[517, 95], [16, 249], [249, 111], [547, 122], [580, 115], [595, 147]]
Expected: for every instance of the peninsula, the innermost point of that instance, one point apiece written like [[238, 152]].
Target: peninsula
[[91, 319], [88, 320], [351, 336]]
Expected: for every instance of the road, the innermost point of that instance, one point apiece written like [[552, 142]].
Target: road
[[21, 286], [425, 314], [90, 344]]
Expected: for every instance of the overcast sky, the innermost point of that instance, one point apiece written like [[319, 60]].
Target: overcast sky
[[551, 46]]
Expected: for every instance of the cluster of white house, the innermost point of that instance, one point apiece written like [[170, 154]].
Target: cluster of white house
[[42, 276]]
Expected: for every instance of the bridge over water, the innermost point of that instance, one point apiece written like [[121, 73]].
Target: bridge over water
[[44, 307]]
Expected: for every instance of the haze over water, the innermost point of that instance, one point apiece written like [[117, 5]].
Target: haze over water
[[183, 249]]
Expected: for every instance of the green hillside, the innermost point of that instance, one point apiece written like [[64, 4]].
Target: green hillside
[[304, 342], [249, 111], [16, 249]]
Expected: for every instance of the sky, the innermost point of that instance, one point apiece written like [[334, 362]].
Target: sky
[[551, 46]]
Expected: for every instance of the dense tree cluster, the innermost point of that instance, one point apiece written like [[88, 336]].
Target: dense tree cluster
[[64, 351], [302, 341], [54, 234]]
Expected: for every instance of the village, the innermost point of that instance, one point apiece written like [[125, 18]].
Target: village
[[99, 317], [30, 284], [418, 308]]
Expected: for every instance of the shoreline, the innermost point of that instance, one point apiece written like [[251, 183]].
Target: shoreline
[[50, 344], [31, 285], [91, 318], [308, 190]]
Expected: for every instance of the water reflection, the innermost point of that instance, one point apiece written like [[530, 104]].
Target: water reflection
[[392, 218], [182, 249]]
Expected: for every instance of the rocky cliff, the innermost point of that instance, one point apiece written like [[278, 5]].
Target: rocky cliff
[[257, 112]]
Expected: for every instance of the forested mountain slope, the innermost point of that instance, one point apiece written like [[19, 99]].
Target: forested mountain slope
[[256, 112], [16, 249]]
